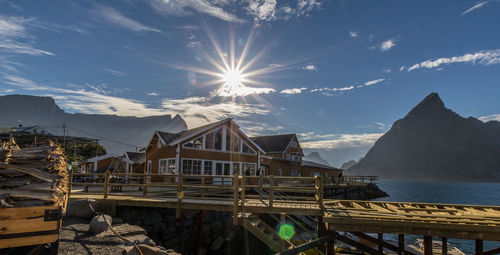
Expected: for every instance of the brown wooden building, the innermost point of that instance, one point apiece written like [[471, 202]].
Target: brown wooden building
[[219, 148], [284, 158], [102, 163], [135, 161]]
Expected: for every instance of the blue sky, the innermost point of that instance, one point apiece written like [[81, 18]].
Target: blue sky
[[338, 73]]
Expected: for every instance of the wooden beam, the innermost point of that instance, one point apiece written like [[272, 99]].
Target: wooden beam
[[309, 245], [387, 245], [492, 251], [427, 245], [358, 245]]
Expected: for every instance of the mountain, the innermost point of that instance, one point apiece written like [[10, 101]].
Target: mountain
[[348, 164], [434, 143], [315, 157], [116, 133]]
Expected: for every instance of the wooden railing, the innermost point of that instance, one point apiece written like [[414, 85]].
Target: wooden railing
[[269, 189], [359, 179]]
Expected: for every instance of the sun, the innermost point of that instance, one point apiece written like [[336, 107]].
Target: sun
[[232, 78]]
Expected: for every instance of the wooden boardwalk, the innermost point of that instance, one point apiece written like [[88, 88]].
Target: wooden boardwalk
[[293, 196]]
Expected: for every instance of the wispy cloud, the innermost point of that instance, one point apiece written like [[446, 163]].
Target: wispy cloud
[[490, 117], [312, 140], [114, 72], [257, 128], [293, 91], [15, 39], [262, 10], [153, 94], [111, 15], [387, 45], [372, 82], [353, 33], [310, 67], [475, 7], [485, 57], [333, 89], [184, 8]]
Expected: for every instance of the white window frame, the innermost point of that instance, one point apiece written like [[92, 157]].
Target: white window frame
[[280, 172], [167, 163], [225, 129]]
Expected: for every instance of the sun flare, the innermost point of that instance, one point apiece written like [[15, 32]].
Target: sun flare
[[232, 78]]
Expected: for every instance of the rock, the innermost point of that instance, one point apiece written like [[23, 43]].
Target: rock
[[80, 209], [149, 250], [97, 224], [117, 221]]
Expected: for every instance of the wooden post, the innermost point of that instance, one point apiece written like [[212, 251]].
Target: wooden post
[[319, 188], [427, 245], [321, 232], [235, 199], [330, 248], [144, 184], [381, 239], [271, 190], [203, 186], [479, 247], [282, 222], [69, 184], [181, 232], [106, 185], [247, 245], [243, 193], [260, 187], [199, 221], [180, 195], [444, 246], [401, 244]]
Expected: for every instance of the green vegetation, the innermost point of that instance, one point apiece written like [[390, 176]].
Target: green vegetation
[[76, 152]]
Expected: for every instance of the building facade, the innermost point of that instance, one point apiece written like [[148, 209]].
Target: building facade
[[219, 148]]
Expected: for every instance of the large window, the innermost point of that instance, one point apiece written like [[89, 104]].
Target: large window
[[293, 173], [214, 141], [190, 166], [208, 166], [248, 169], [236, 168], [166, 166]]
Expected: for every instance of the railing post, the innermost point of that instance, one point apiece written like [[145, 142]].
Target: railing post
[[70, 184], [319, 188], [235, 199], [203, 186], [144, 184], [180, 195], [271, 190], [243, 191], [260, 187], [106, 185]]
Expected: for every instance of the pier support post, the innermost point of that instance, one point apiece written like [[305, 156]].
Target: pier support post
[[401, 244], [444, 246], [479, 247], [199, 220], [282, 222], [381, 240], [427, 245], [181, 232]]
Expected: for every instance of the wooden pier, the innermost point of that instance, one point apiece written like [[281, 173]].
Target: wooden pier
[[248, 196]]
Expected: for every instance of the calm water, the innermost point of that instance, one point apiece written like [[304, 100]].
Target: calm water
[[445, 192]]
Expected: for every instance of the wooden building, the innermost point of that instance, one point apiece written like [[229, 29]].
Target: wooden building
[[135, 161], [219, 148], [284, 158], [102, 163]]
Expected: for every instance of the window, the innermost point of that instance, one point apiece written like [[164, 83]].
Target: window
[[236, 143], [288, 156], [166, 166], [246, 149], [207, 170], [236, 168], [159, 143], [248, 169], [229, 140], [218, 139], [293, 173], [209, 141], [280, 172], [191, 166], [293, 156], [315, 174]]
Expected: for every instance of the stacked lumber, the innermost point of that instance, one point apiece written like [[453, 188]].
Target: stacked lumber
[[33, 176]]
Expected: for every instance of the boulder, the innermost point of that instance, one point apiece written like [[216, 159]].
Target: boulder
[[98, 225], [149, 250], [80, 209]]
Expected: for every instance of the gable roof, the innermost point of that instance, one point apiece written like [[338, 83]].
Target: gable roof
[[135, 156], [172, 139], [317, 165], [273, 143]]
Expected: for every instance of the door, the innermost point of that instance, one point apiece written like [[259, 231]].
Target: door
[[222, 168], [148, 178]]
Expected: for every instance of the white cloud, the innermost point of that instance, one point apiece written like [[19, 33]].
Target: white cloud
[[475, 7], [262, 9], [312, 140], [490, 117], [369, 83], [333, 89], [113, 16], [387, 71], [402, 68], [153, 94], [195, 110], [253, 128], [185, 7], [485, 57], [193, 44], [241, 91], [353, 34], [293, 91], [114, 72], [387, 45], [12, 31], [310, 67]]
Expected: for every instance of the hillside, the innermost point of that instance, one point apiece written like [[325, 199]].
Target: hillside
[[434, 143], [116, 133]]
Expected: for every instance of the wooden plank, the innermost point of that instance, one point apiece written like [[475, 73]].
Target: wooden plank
[[24, 212], [42, 175], [26, 225], [26, 241]]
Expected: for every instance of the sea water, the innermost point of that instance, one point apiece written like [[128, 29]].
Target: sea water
[[444, 192]]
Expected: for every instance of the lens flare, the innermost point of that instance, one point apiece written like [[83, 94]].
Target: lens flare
[[286, 231]]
